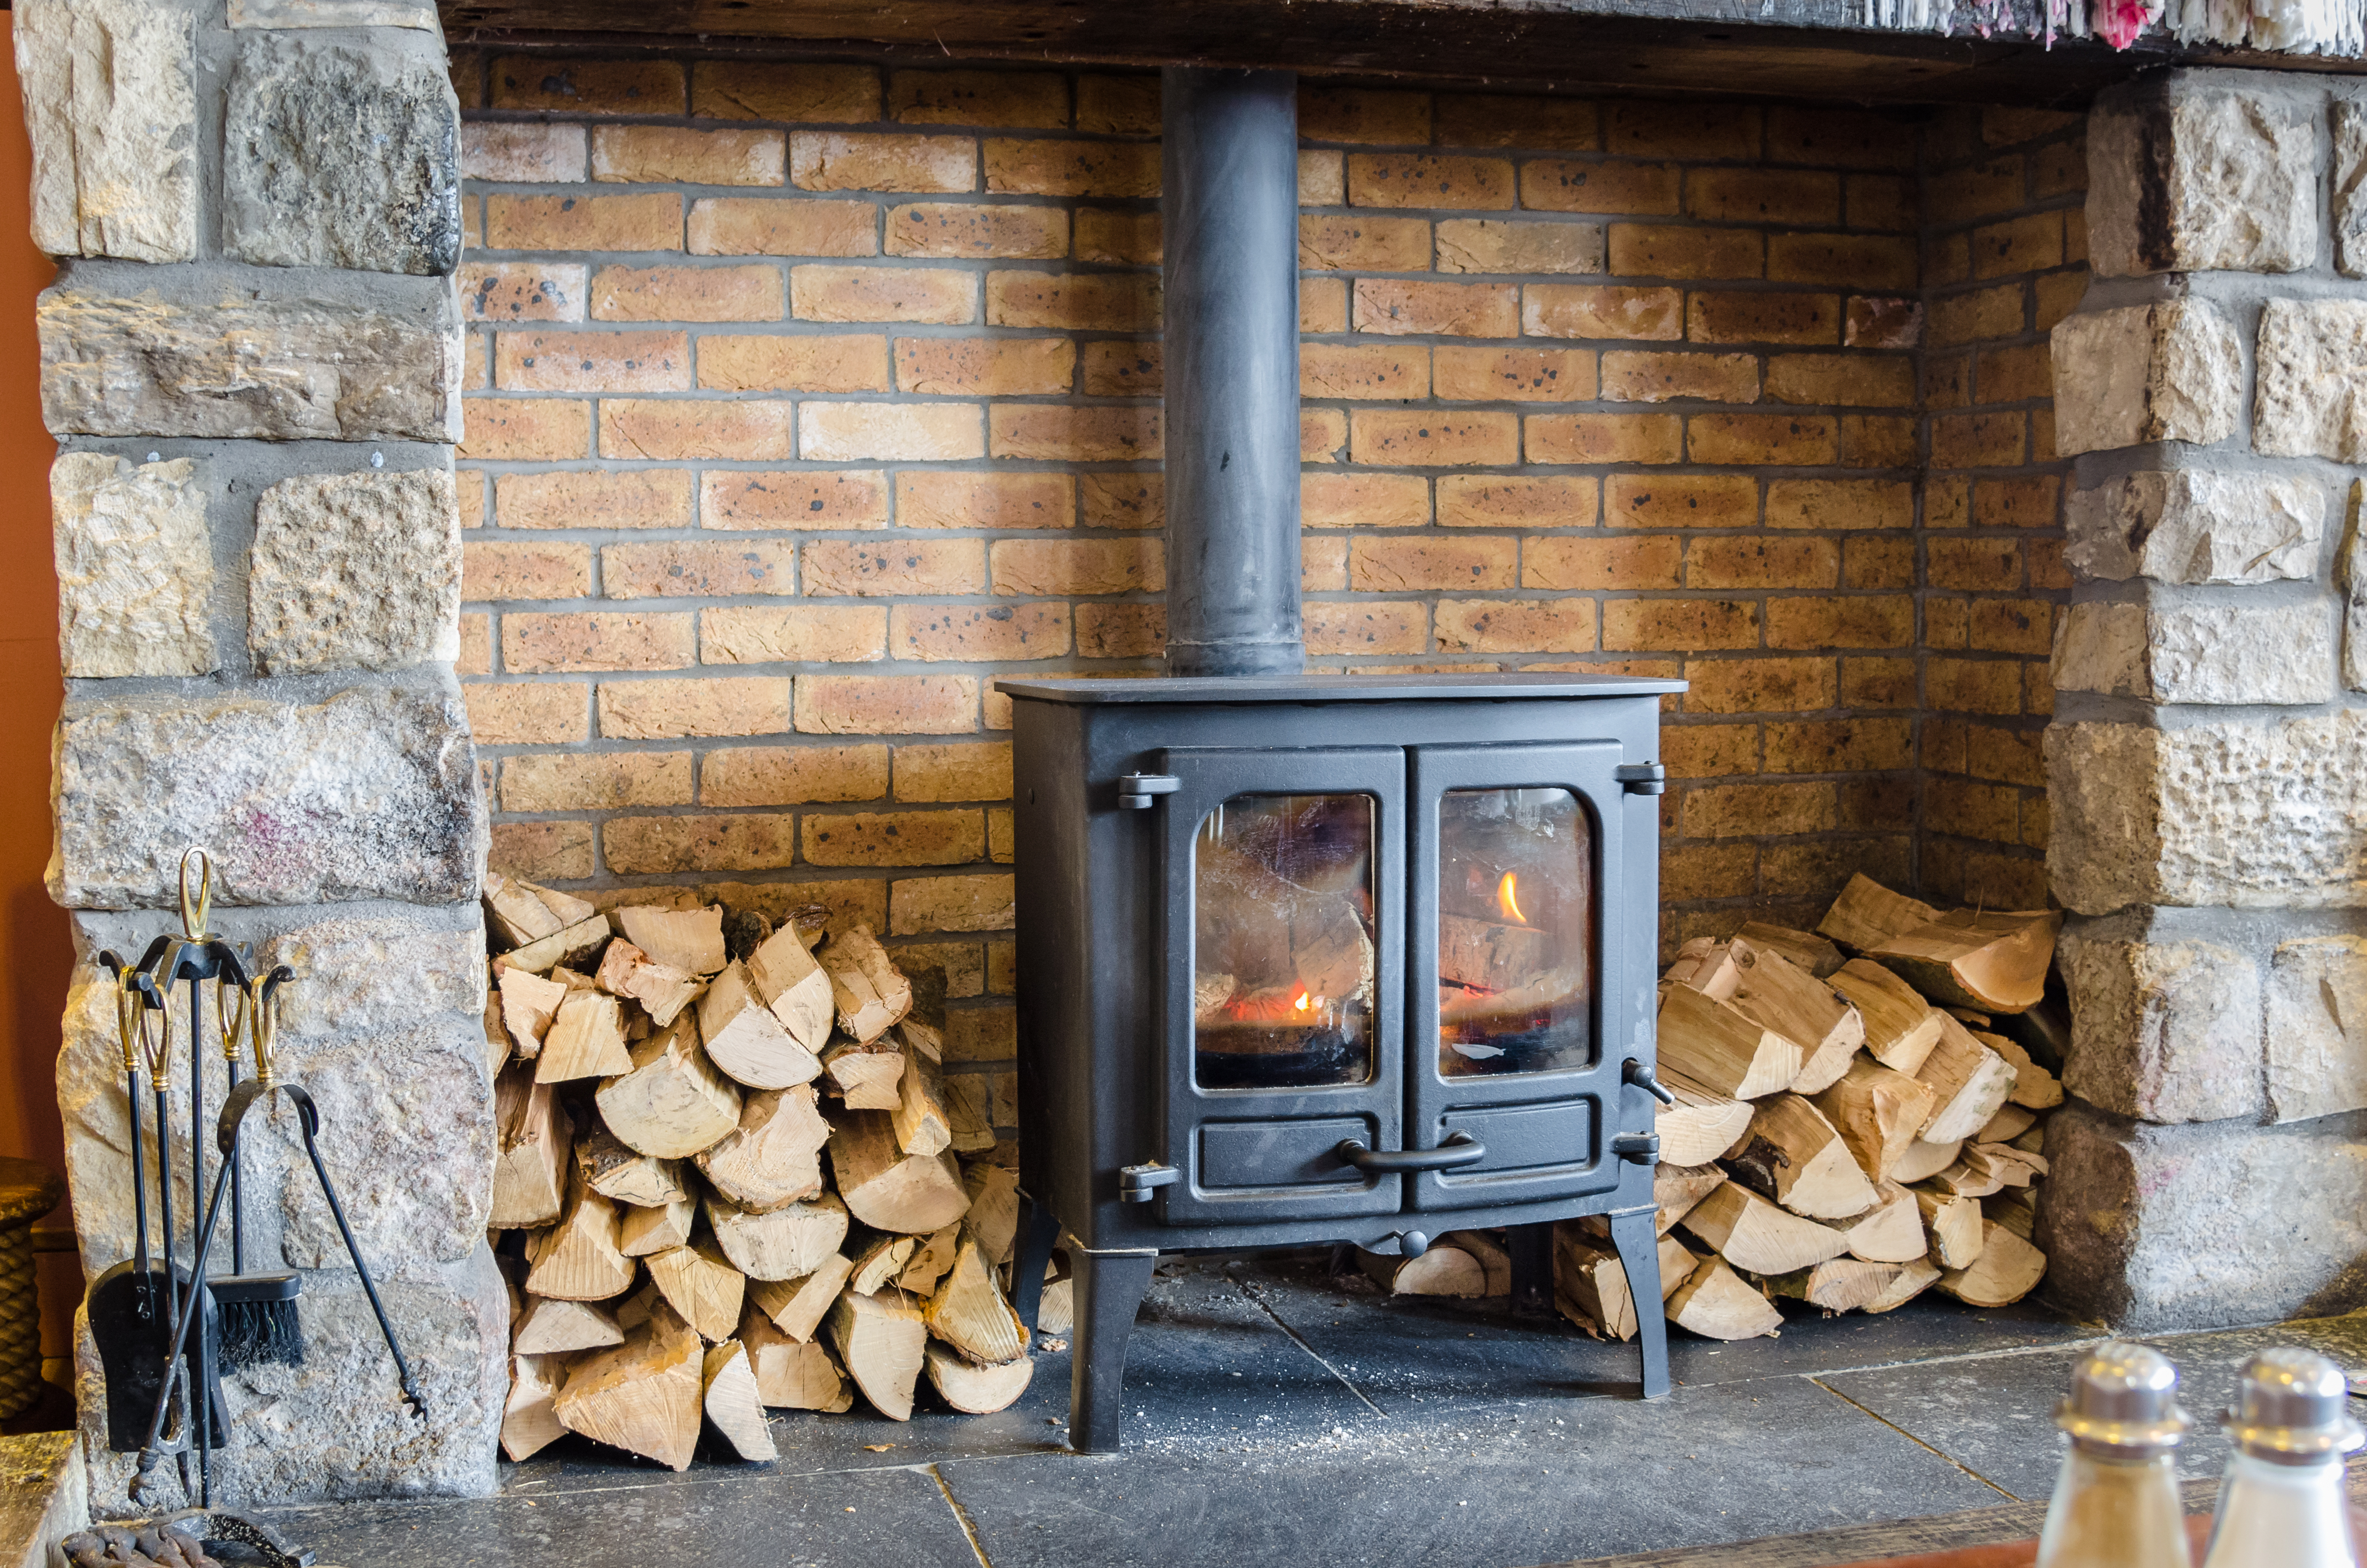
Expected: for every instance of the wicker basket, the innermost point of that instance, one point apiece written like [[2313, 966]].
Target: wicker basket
[[28, 1191]]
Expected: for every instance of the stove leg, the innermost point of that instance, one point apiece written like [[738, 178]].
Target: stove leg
[[1037, 1230], [1532, 1250], [1109, 1286], [1639, 1256]]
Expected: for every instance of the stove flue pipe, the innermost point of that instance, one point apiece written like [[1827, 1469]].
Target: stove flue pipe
[[1229, 205]]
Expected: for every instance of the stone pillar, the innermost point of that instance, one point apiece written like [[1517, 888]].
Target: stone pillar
[[251, 358], [2207, 768]]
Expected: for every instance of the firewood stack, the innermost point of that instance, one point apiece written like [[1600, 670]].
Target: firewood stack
[[1851, 1127], [737, 1172]]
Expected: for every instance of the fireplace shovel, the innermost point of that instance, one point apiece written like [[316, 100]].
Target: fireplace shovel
[[261, 1015]]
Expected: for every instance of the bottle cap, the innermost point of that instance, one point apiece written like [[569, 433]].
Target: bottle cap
[[2121, 1397], [2293, 1404]]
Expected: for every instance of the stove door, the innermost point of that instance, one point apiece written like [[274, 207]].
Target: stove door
[[1284, 948], [1514, 856]]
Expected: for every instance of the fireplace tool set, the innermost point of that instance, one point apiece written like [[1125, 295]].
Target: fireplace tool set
[[162, 1329]]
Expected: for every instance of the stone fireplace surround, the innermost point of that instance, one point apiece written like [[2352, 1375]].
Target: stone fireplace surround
[[253, 359]]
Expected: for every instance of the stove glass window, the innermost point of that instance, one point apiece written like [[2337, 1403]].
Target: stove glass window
[[1283, 942], [1515, 932]]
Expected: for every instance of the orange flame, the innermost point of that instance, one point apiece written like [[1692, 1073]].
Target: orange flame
[[1508, 897], [1300, 1002]]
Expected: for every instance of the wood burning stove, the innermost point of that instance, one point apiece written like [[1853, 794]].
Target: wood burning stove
[[1362, 958]]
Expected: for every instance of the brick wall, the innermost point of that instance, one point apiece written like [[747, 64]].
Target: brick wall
[[2006, 254], [808, 399]]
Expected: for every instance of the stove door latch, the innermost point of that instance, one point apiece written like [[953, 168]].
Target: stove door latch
[[1643, 1148], [1137, 1183], [1135, 790], [1643, 778]]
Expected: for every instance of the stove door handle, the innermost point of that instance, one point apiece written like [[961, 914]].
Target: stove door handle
[[1459, 1149]]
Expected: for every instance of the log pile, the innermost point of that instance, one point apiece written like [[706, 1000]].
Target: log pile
[[1854, 1122], [732, 1180]]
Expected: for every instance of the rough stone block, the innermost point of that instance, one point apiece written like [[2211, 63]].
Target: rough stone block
[[135, 566], [266, 355], [2198, 654], [2317, 1027], [111, 103], [2245, 815], [354, 570], [2312, 368], [338, 156], [370, 793], [2165, 1031], [2148, 1228], [2350, 577], [2195, 527], [2349, 124], [2141, 373], [2186, 177]]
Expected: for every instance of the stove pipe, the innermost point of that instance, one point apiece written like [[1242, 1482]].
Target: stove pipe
[[1229, 201]]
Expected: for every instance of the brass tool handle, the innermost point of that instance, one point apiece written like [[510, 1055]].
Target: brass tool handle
[[195, 911]]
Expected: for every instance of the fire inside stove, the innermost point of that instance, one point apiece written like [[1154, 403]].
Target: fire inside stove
[[1285, 937]]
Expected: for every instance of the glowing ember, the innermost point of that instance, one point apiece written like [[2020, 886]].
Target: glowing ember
[[1300, 1003], [1508, 899]]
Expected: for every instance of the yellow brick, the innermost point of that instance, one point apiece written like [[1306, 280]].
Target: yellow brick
[[528, 712], [1519, 501], [648, 498], [1880, 201], [1850, 622], [1090, 302], [1877, 683], [1515, 626], [792, 775], [1642, 624], [1492, 244], [1593, 311], [665, 155], [1874, 440], [1118, 106], [1759, 684], [1045, 566], [894, 838], [985, 367], [1681, 129], [1433, 439], [694, 568], [986, 1034], [1668, 250], [1984, 312], [970, 771], [1323, 563], [1362, 630], [1976, 191], [754, 841], [1322, 304], [1075, 435], [877, 568], [927, 498], [1604, 439], [1859, 379], [1708, 870], [1513, 375], [1397, 307], [597, 640], [1364, 242], [887, 705], [1680, 501], [1048, 167], [598, 781], [1872, 561], [2058, 296], [1012, 98], [525, 429], [784, 90], [672, 709], [2032, 502], [1363, 372], [1978, 562], [1634, 377], [592, 361], [841, 160], [1322, 179], [1118, 368], [1411, 564], [815, 634], [1322, 434], [1856, 261], [1973, 685], [1882, 324], [1770, 439], [534, 569], [1839, 138], [1488, 119], [1363, 500], [1763, 196], [2019, 374], [1754, 811], [1730, 563], [522, 290], [975, 634], [1736, 316], [1974, 440], [539, 84], [543, 851], [921, 905], [1554, 185], [740, 431], [1358, 114], [686, 293], [967, 232], [1571, 564], [887, 432], [1121, 631], [1709, 751], [741, 499], [820, 364], [822, 292], [762, 225], [2012, 626], [1117, 238], [648, 222]]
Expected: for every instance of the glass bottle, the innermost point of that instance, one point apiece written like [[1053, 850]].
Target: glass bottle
[[2282, 1504], [2116, 1501]]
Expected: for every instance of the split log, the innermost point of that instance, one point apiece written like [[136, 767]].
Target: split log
[[1758, 1235], [1867, 914], [498, 1047], [1675, 1191], [881, 1342], [798, 1306], [529, 1002], [1877, 1112], [625, 1175], [975, 1390], [586, 1039], [921, 1126], [672, 1103], [1970, 1080], [1707, 965], [2030, 1139], [2007, 1269], [1800, 1008], [2008, 1123], [688, 939], [1795, 1157], [1900, 1027], [642, 1396], [1056, 1309], [643, 1233], [1805, 949], [930, 1260], [579, 1259], [700, 1283], [579, 943], [993, 1212], [2034, 1089], [1954, 1226], [529, 1425], [1994, 962], [969, 1111], [793, 988], [1982, 1169], [879, 1261], [514, 914], [774, 1157], [868, 1076], [743, 1038], [1495, 1263], [2015, 1209], [793, 1374], [868, 990], [734, 1404], [1891, 1231], [530, 1169], [887, 1189], [1442, 1271], [1840, 1284], [1712, 1045], [1700, 1126], [968, 1312], [1923, 1160], [1714, 1303], [1590, 1286], [1914, 1279], [571, 980], [782, 1243], [663, 990], [551, 1327]]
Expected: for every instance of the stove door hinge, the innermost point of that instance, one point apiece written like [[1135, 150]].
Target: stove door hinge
[[1135, 789], [1643, 1148], [1643, 778], [1137, 1183]]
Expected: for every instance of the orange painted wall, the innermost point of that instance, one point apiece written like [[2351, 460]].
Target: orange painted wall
[[35, 950]]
